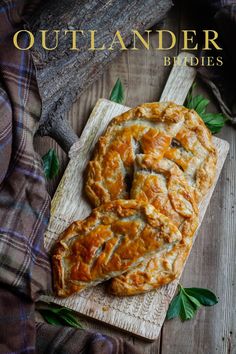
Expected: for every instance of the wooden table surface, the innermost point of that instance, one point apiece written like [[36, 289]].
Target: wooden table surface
[[212, 261]]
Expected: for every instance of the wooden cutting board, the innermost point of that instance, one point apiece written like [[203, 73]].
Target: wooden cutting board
[[142, 315]]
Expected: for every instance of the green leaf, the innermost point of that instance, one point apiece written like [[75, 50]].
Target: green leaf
[[183, 306], [71, 321], [60, 316], [188, 300], [174, 308], [214, 121], [204, 296], [51, 317], [199, 104], [117, 93], [188, 307], [50, 164]]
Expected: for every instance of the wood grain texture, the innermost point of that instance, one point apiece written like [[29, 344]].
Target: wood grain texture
[[212, 265], [64, 73], [212, 260], [179, 81]]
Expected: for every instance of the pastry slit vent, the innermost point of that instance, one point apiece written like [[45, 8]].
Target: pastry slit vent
[[116, 246], [137, 147], [128, 179], [175, 143], [129, 175], [98, 253]]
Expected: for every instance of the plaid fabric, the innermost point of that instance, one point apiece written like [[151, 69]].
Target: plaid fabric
[[24, 210], [24, 202], [66, 340], [17, 326]]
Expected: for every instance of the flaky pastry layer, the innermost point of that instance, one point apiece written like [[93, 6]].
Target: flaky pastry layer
[[165, 187], [115, 238], [163, 129], [159, 154]]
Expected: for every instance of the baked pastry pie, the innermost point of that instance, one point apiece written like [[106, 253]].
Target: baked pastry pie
[[146, 129], [115, 238], [164, 129], [150, 168], [163, 184]]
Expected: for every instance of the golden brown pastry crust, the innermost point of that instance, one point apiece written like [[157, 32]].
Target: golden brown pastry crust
[[157, 153], [164, 129], [162, 184], [194, 152], [148, 129], [154, 272], [115, 238], [170, 164]]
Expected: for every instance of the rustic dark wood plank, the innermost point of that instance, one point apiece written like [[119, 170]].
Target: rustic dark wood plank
[[212, 260], [64, 73], [212, 265]]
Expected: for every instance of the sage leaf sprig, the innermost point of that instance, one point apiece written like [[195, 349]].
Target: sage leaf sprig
[[117, 93], [186, 303], [214, 121], [60, 316], [50, 164]]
